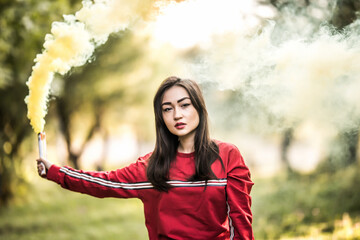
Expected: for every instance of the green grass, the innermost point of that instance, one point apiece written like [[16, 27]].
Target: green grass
[[315, 206], [50, 212]]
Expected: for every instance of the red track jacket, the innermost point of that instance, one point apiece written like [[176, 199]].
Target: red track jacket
[[187, 210]]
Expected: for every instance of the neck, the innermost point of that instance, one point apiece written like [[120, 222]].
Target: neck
[[186, 143]]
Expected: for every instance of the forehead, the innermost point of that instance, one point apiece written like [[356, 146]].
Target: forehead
[[174, 93]]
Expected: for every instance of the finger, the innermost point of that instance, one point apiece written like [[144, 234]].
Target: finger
[[40, 173], [40, 162], [41, 167]]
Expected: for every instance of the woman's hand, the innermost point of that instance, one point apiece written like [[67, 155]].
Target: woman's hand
[[40, 166]]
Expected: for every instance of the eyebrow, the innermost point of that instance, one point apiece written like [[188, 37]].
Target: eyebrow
[[180, 100]]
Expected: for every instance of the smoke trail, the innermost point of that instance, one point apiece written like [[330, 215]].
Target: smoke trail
[[68, 45], [71, 43]]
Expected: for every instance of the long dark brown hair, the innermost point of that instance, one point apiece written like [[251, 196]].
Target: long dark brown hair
[[206, 150]]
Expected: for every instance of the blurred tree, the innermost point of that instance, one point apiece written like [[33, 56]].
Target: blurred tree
[[294, 3], [88, 95], [344, 150], [94, 89], [287, 138], [83, 98], [23, 25], [341, 13], [345, 12]]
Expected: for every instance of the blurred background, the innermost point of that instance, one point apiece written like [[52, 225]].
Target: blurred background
[[280, 78]]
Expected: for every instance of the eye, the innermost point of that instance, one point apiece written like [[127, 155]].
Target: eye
[[185, 105], [166, 109]]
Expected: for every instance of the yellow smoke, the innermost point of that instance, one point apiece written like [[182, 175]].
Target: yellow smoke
[[68, 45], [71, 43]]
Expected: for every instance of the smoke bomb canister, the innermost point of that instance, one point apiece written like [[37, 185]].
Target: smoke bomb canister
[[42, 150]]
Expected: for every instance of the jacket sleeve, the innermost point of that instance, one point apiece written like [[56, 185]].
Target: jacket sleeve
[[121, 183], [238, 190]]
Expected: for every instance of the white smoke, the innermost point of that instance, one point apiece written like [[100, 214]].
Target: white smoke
[[307, 76]]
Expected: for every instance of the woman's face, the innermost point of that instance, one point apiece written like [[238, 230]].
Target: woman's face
[[179, 114]]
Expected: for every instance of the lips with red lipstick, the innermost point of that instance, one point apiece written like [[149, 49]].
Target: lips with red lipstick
[[180, 125]]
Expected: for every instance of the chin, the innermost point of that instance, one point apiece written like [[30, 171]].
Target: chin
[[178, 133], [184, 134]]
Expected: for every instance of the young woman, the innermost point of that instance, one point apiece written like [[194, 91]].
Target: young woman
[[192, 187]]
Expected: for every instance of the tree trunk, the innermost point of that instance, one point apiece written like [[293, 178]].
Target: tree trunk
[[287, 138], [345, 13]]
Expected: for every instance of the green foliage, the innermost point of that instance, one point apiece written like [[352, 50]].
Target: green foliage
[[23, 25], [288, 206], [54, 213], [343, 150], [85, 99]]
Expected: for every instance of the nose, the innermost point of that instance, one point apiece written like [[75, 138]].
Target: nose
[[177, 113]]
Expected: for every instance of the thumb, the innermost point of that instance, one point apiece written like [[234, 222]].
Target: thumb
[[45, 162]]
